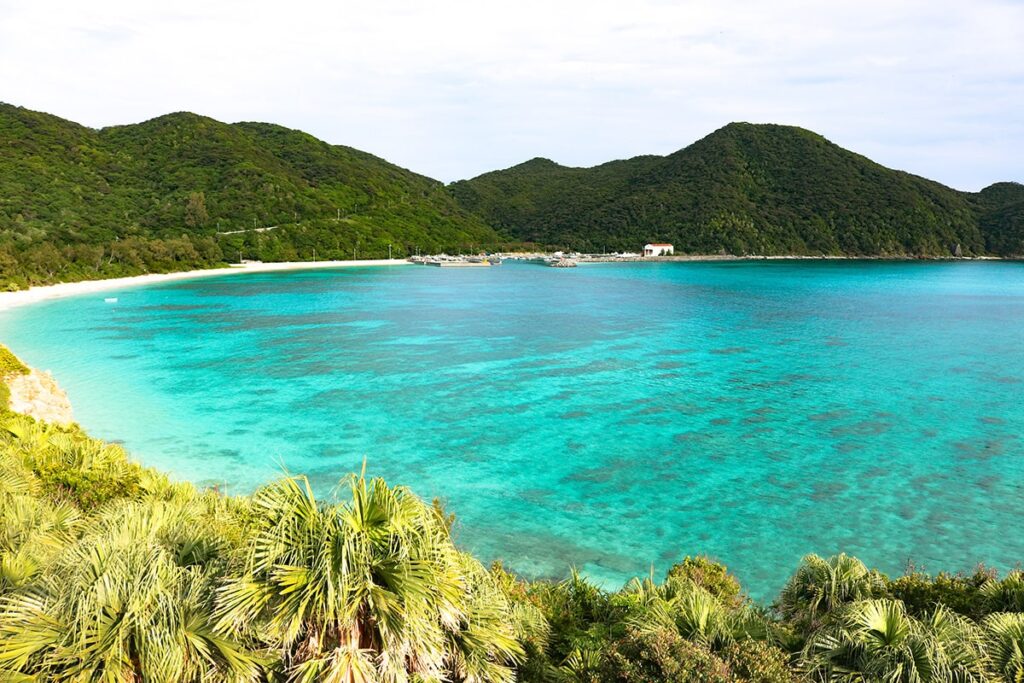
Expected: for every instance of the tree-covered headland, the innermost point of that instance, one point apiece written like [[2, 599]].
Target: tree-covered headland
[[110, 571], [748, 189], [183, 191]]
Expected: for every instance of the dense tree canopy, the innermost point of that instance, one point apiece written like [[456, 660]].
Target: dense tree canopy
[[744, 189], [184, 191], [1002, 217]]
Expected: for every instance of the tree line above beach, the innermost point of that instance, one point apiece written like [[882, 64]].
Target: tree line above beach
[[184, 191], [110, 571]]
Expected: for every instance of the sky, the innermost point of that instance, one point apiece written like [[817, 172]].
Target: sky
[[454, 88]]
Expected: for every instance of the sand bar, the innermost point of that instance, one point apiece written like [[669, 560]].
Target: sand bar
[[36, 294]]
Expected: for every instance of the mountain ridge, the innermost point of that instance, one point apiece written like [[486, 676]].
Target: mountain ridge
[[179, 191], [183, 190], [746, 189]]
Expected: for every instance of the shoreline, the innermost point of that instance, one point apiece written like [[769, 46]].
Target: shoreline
[[25, 297], [710, 258]]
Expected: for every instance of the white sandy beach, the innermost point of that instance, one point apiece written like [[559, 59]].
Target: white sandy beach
[[36, 294]]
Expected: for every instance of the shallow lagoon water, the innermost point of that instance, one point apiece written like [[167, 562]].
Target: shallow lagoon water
[[615, 417]]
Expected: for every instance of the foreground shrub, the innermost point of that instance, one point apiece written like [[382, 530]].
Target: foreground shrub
[[33, 532], [691, 611], [876, 640], [70, 465], [1006, 594], [961, 593], [10, 366], [369, 590], [582, 617], [974, 595], [710, 575], [129, 601], [820, 586], [1004, 644], [758, 661], [662, 655]]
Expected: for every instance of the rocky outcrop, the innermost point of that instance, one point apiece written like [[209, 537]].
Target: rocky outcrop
[[38, 395]]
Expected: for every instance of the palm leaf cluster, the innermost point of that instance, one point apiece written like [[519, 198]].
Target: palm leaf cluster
[[128, 598], [372, 589], [691, 626], [855, 632], [878, 640], [836, 621], [690, 610], [109, 572]]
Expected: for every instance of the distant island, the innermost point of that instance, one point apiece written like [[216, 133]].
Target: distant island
[[183, 191]]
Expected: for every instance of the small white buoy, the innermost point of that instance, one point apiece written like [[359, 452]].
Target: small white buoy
[[111, 300]]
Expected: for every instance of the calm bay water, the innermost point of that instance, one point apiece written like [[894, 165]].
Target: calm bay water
[[613, 417]]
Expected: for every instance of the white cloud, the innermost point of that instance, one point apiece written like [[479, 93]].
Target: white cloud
[[455, 88]]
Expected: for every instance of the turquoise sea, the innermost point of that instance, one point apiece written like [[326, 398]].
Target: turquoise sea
[[615, 417]]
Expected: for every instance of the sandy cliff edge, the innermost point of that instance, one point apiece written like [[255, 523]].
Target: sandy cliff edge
[[38, 395]]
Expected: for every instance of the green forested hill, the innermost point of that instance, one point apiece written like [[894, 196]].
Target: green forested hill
[[744, 189], [80, 203], [184, 191], [999, 195], [1003, 228], [1001, 207]]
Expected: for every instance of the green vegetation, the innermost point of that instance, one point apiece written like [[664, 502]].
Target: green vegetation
[[1001, 207], [184, 191], [10, 366], [77, 203], [109, 571], [747, 189]]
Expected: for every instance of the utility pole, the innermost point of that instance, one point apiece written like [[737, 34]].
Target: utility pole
[[339, 215], [389, 251]]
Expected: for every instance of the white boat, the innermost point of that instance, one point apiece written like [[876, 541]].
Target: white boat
[[110, 300]]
